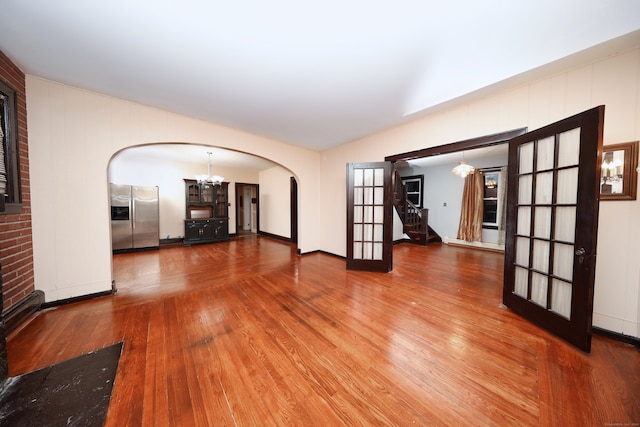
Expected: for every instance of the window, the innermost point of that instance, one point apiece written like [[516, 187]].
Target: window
[[9, 167], [491, 207], [414, 188]]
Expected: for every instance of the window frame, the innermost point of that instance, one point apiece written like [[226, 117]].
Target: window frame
[[11, 203], [418, 179], [493, 171]]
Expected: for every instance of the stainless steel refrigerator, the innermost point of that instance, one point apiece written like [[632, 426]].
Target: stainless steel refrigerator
[[135, 218]]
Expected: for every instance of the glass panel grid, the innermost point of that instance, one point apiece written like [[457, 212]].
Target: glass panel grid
[[546, 221], [368, 213]]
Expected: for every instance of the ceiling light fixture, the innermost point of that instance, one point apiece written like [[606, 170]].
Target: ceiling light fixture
[[463, 169], [208, 178]]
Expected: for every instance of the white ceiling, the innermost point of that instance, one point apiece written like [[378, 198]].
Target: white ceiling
[[315, 74]]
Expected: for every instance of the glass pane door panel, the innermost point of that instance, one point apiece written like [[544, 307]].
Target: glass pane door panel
[[542, 226], [521, 284], [357, 214], [569, 148], [379, 177], [368, 177], [368, 195], [546, 150], [524, 189], [357, 232], [358, 179], [539, 288], [541, 256], [565, 228], [524, 221], [544, 188], [525, 152], [522, 251], [563, 261], [561, 298], [379, 196], [377, 250], [377, 233], [367, 250], [357, 250], [567, 192], [367, 232], [378, 214], [358, 196], [368, 214]]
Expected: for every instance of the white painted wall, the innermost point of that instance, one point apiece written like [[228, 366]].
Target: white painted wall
[[73, 135], [275, 202], [613, 81]]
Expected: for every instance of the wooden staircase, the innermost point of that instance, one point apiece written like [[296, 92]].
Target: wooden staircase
[[415, 220]]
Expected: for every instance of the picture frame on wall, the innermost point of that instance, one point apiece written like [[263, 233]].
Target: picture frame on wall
[[619, 177]]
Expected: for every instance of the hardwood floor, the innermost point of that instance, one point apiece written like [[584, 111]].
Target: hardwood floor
[[248, 333]]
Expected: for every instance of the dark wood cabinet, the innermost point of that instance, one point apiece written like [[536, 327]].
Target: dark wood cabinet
[[206, 212]]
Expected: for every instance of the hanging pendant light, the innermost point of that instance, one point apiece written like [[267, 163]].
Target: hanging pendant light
[[463, 169], [208, 178]]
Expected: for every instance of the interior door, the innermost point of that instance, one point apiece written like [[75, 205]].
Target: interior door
[[550, 251], [369, 217]]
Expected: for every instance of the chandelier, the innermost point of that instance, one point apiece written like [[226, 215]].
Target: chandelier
[[463, 169], [208, 178]]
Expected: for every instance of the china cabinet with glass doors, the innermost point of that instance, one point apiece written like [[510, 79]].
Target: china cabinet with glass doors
[[207, 218]]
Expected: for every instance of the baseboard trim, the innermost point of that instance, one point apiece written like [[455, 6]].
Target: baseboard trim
[[628, 339], [323, 253], [66, 301], [168, 243], [19, 313], [275, 236]]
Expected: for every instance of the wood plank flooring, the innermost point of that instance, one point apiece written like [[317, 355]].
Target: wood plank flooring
[[246, 333]]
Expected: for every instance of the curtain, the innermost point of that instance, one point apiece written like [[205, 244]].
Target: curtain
[[502, 202], [470, 228]]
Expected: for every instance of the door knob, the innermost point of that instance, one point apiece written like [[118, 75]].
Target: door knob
[[580, 253]]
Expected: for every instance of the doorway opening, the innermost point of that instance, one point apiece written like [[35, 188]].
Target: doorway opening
[[248, 209]]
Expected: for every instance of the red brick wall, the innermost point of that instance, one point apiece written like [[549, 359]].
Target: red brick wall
[[16, 247]]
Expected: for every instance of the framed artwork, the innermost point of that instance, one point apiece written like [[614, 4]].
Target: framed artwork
[[619, 177]]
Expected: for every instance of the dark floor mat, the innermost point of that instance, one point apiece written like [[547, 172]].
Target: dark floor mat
[[72, 393]]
